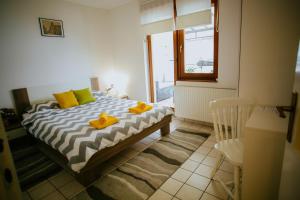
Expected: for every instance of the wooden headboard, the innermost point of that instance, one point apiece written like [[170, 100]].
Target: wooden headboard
[[21, 100], [23, 97]]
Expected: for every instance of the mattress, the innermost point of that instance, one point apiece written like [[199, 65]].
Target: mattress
[[68, 130]]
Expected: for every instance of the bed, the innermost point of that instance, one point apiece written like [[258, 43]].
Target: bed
[[65, 136]]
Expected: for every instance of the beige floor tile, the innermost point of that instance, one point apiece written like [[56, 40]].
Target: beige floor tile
[[224, 176], [196, 156], [54, 196], [207, 196], [61, 179], [175, 198], [190, 165], [204, 170], [198, 181], [216, 189], [203, 150], [187, 192], [171, 186], [210, 161], [226, 166], [41, 190], [214, 153], [161, 195], [182, 175], [71, 189]]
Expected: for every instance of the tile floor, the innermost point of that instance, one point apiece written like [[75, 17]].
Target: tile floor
[[190, 182]]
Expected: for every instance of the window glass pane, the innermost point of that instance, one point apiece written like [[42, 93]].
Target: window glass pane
[[298, 60], [163, 66], [199, 49]]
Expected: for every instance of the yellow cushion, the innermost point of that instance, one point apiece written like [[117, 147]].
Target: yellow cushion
[[66, 99]]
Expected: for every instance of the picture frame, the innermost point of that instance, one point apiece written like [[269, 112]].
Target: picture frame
[[51, 27]]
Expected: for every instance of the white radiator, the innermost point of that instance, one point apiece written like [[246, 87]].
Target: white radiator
[[192, 102]]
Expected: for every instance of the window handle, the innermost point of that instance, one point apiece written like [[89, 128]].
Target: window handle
[[180, 49]]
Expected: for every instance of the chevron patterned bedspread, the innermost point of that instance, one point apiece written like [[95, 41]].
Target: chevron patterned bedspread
[[68, 130]]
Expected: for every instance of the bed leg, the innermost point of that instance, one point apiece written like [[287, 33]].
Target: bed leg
[[165, 130]]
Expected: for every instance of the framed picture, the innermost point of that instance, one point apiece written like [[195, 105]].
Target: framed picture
[[51, 27]]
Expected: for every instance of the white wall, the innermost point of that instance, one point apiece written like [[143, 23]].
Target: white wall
[[108, 44], [27, 59], [270, 36], [128, 51], [229, 47]]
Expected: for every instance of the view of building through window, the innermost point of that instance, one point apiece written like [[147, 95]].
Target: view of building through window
[[199, 49]]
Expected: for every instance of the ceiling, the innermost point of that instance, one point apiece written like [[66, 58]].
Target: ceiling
[[105, 4]]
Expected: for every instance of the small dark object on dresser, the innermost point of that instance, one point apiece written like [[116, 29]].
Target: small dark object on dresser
[[10, 119]]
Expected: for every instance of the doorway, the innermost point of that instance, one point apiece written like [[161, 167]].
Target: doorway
[[161, 68]]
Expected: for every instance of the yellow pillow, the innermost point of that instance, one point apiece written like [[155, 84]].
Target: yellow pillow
[[66, 99]]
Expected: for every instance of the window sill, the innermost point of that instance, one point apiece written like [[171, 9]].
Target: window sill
[[202, 84], [198, 80]]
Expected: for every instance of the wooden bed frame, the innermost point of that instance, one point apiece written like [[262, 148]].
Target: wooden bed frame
[[92, 170]]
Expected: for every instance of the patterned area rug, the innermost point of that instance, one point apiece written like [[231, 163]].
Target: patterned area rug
[[32, 166], [141, 176]]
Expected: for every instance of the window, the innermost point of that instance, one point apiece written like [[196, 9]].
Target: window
[[196, 50]]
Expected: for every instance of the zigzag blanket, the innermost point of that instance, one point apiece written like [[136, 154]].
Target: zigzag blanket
[[68, 130]]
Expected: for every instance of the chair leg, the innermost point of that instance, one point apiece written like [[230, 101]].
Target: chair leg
[[217, 165], [236, 182]]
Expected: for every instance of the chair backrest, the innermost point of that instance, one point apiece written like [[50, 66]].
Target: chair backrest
[[230, 116]]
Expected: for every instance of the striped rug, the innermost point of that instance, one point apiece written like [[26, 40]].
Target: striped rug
[[141, 176], [32, 166]]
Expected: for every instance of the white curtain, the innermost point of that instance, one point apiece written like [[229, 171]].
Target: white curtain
[[156, 16], [192, 13]]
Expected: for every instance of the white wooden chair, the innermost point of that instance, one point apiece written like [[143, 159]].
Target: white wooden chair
[[229, 118]]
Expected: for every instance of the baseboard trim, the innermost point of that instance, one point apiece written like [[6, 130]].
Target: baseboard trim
[[195, 121]]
